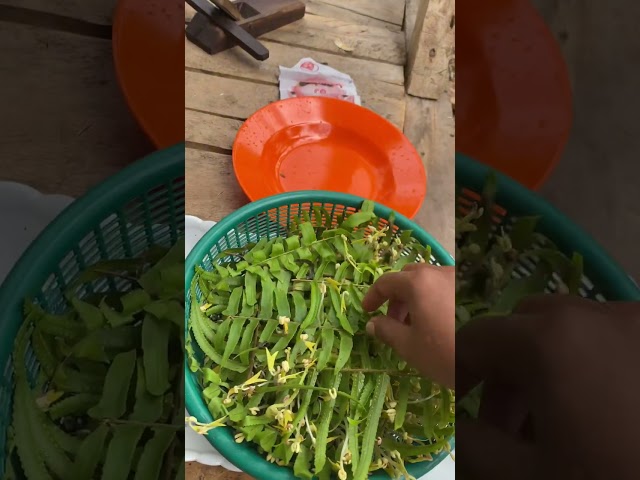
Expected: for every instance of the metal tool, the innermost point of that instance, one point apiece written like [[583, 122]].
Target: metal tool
[[258, 17], [225, 21]]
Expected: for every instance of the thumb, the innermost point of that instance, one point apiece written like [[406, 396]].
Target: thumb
[[395, 334]]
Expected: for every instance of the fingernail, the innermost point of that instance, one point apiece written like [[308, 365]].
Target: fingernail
[[371, 328]]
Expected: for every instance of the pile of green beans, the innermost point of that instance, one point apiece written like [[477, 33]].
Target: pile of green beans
[[500, 264], [288, 365], [105, 400]]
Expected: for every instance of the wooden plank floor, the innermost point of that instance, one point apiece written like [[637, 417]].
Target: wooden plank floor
[[65, 125]]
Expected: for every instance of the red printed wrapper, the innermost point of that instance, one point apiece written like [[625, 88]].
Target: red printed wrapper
[[312, 79]]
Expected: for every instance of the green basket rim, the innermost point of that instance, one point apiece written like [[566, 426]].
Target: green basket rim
[[601, 269], [243, 455], [70, 226]]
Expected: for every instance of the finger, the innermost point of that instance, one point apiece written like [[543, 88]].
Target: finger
[[413, 266], [496, 348], [398, 286], [483, 451], [503, 407], [537, 304], [399, 311], [390, 332]]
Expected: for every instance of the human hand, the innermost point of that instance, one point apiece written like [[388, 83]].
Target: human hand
[[420, 322], [560, 394]]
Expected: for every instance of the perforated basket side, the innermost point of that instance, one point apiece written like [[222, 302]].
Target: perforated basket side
[[272, 217], [604, 279], [141, 206]]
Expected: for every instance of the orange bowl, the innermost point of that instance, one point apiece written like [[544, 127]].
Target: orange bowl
[[148, 49], [513, 109], [316, 143]]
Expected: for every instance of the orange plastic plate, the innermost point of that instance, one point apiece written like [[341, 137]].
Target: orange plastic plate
[[315, 143], [514, 108], [148, 46]]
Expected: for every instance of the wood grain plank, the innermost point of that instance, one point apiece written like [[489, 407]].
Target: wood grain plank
[[391, 11], [212, 191], [431, 128], [95, 11], [238, 63], [318, 7], [210, 130], [225, 96], [240, 99], [431, 49], [65, 125], [362, 41]]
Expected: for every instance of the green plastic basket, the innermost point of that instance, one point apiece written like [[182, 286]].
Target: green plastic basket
[[271, 217], [143, 205], [604, 279]]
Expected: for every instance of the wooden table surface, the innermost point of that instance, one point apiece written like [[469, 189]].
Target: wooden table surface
[[64, 125]]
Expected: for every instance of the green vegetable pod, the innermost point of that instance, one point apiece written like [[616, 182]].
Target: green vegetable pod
[[241, 237]]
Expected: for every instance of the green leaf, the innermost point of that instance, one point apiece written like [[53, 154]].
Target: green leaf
[[302, 463], [155, 347], [152, 458], [233, 307], [89, 314], [121, 450], [346, 345], [370, 432], [401, 407], [113, 403], [326, 411], [148, 407], [326, 346], [90, 453]]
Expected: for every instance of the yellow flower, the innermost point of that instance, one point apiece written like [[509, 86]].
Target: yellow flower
[[239, 437], [255, 379], [271, 361], [203, 428], [45, 401], [284, 321], [284, 417], [295, 443], [285, 366], [254, 410], [391, 413]]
